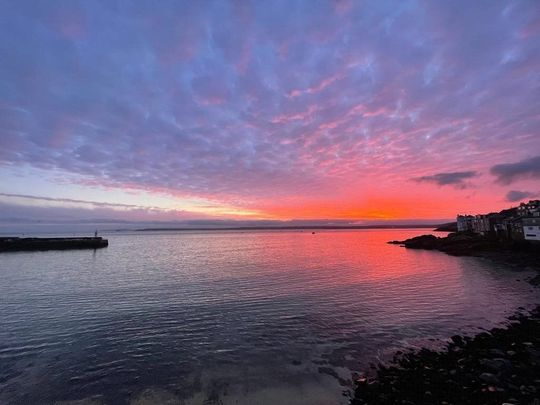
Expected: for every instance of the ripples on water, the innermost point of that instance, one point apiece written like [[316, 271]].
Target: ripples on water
[[230, 317]]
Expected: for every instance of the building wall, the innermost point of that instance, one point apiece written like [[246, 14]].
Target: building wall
[[481, 224], [532, 232], [464, 223], [531, 228]]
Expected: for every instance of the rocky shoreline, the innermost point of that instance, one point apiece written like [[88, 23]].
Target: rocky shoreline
[[469, 244], [501, 366]]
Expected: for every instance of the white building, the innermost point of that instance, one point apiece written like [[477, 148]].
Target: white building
[[464, 223], [531, 228]]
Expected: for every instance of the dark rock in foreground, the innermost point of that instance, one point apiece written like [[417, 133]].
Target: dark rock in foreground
[[32, 244], [495, 367]]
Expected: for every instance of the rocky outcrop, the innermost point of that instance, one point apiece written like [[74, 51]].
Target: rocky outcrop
[[467, 244], [495, 367]]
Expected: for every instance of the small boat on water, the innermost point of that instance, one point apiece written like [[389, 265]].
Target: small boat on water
[[15, 244]]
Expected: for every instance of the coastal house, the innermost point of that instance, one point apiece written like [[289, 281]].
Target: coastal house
[[481, 224], [498, 225], [530, 209], [531, 228], [465, 223]]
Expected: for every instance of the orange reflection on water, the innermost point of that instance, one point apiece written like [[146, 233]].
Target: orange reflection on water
[[327, 257]]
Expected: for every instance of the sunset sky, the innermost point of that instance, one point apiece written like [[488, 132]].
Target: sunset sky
[[362, 111]]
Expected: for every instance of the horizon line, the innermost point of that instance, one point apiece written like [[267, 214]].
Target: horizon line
[[292, 227]]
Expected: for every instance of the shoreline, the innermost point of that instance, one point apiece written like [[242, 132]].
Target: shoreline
[[499, 366]]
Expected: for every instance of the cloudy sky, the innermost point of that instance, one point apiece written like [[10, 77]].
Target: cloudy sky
[[353, 110]]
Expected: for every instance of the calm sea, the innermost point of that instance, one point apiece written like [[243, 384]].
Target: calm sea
[[267, 317]]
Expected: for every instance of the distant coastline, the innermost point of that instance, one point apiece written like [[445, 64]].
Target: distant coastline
[[294, 228]]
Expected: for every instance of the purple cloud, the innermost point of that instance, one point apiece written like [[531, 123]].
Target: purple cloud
[[514, 195], [507, 173], [32, 209], [456, 179]]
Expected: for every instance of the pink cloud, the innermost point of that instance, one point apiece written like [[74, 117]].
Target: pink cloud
[[315, 89]]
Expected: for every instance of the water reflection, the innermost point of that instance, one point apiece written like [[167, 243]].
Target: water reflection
[[228, 316]]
